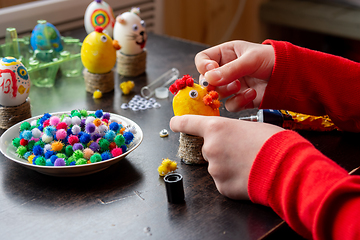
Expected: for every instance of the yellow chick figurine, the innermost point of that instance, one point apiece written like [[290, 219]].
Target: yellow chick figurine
[[98, 52], [192, 98]]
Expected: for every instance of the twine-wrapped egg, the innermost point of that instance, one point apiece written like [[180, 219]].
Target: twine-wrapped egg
[[14, 82]]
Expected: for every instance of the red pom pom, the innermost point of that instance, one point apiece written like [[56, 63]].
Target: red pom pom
[[190, 82], [173, 89], [73, 139], [112, 145], [46, 123], [180, 83], [215, 104], [207, 99], [214, 95], [61, 125], [99, 29], [23, 142], [116, 152]]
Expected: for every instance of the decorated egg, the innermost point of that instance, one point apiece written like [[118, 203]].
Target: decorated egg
[[99, 14], [14, 82], [98, 52], [129, 31], [45, 36]]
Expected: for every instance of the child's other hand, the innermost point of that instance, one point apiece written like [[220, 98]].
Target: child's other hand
[[238, 69], [230, 147]]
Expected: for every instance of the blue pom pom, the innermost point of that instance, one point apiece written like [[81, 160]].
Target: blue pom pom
[[124, 148], [50, 130], [53, 159], [106, 155], [49, 163], [34, 160], [69, 132], [47, 115], [27, 134], [99, 113], [128, 137], [80, 134], [38, 150], [48, 154], [73, 163], [110, 135], [40, 127], [85, 138], [114, 126], [26, 155]]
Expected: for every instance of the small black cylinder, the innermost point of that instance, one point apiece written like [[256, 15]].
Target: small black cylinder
[[174, 188]]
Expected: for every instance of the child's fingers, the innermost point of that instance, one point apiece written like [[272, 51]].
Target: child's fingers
[[229, 89], [241, 101], [191, 124]]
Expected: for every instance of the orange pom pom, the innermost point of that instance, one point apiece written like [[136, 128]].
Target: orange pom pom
[[57, 146], [207, 99], [97, 122], [214, 94]]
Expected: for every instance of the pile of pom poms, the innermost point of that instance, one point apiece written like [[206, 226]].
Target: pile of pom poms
[[72, 139]]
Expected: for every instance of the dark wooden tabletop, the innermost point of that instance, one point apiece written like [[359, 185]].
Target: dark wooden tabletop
[[128, 200]]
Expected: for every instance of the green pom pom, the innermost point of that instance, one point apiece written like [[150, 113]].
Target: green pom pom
[[70, 160], [40, 142], [78, 154], [25, 126], [104, 145], [30, 145], [119, 140], [61, 155], [83, 113], [77, 114], [93, 115], [21, 150], [16, 142], [95, 158], [40, 161], [73, 112], [81, 161], [69, 150]]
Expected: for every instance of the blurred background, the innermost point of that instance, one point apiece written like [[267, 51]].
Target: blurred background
[[331, 26]]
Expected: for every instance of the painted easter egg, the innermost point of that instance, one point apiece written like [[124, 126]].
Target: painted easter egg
[[99, 14], [45, 36], [129, 31], [14, 82], [98, 52]]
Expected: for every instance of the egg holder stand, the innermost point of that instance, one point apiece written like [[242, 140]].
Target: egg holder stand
[[43, 65], [190, 149], [104, 82], [10, 115], [131, 65]]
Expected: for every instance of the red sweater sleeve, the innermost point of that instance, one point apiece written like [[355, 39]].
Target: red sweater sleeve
[[314, 83], [315, 196]]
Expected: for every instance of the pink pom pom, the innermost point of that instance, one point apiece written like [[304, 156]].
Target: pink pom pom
[[61, 134], [116, 152], [54, 120], [73, 139]]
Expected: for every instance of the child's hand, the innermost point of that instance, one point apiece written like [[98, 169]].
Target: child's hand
[[237, 68], [230, 147]]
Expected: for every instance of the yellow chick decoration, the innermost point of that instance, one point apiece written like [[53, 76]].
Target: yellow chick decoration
[[192, 98], [166, 167], [98, 52], [127, 86]]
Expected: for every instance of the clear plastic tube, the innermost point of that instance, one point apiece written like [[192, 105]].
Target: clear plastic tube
[[160, 84]]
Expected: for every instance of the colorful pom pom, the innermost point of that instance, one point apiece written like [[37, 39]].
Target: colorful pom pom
[[59, 162], [116, 152], [90, 128], [61, 134]]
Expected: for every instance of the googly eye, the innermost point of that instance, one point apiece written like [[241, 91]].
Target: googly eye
[[135, 27], [142, 22], [193, 93], [204, 83], [103, 38]]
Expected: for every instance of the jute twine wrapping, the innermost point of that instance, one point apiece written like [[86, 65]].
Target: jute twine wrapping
[[190, 149], [11, 115], [103, 82], [131, 65]]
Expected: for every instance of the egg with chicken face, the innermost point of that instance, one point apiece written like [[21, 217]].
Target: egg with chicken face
[[14, 82], [192, 98], [98, 52]]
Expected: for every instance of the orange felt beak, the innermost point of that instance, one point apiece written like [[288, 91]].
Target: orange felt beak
[[116, 45], [212, 99]]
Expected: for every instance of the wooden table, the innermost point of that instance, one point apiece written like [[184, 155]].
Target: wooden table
[[128, 200]]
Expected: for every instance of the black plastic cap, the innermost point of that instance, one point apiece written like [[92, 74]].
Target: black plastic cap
[[174, 188]]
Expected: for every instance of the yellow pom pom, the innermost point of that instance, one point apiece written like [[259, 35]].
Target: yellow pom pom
[[166, 167], [126, 87], [97, 94], [30, 158]]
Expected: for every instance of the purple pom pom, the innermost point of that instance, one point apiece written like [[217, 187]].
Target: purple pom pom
[[94, 146], [90, 127], [59, 162], [78, 146], [106, 116], [95, 136]]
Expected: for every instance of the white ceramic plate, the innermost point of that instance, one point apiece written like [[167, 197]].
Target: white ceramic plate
[[9, 151]]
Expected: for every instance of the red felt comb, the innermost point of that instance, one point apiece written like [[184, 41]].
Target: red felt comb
[[99, 29], [181, 83]]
